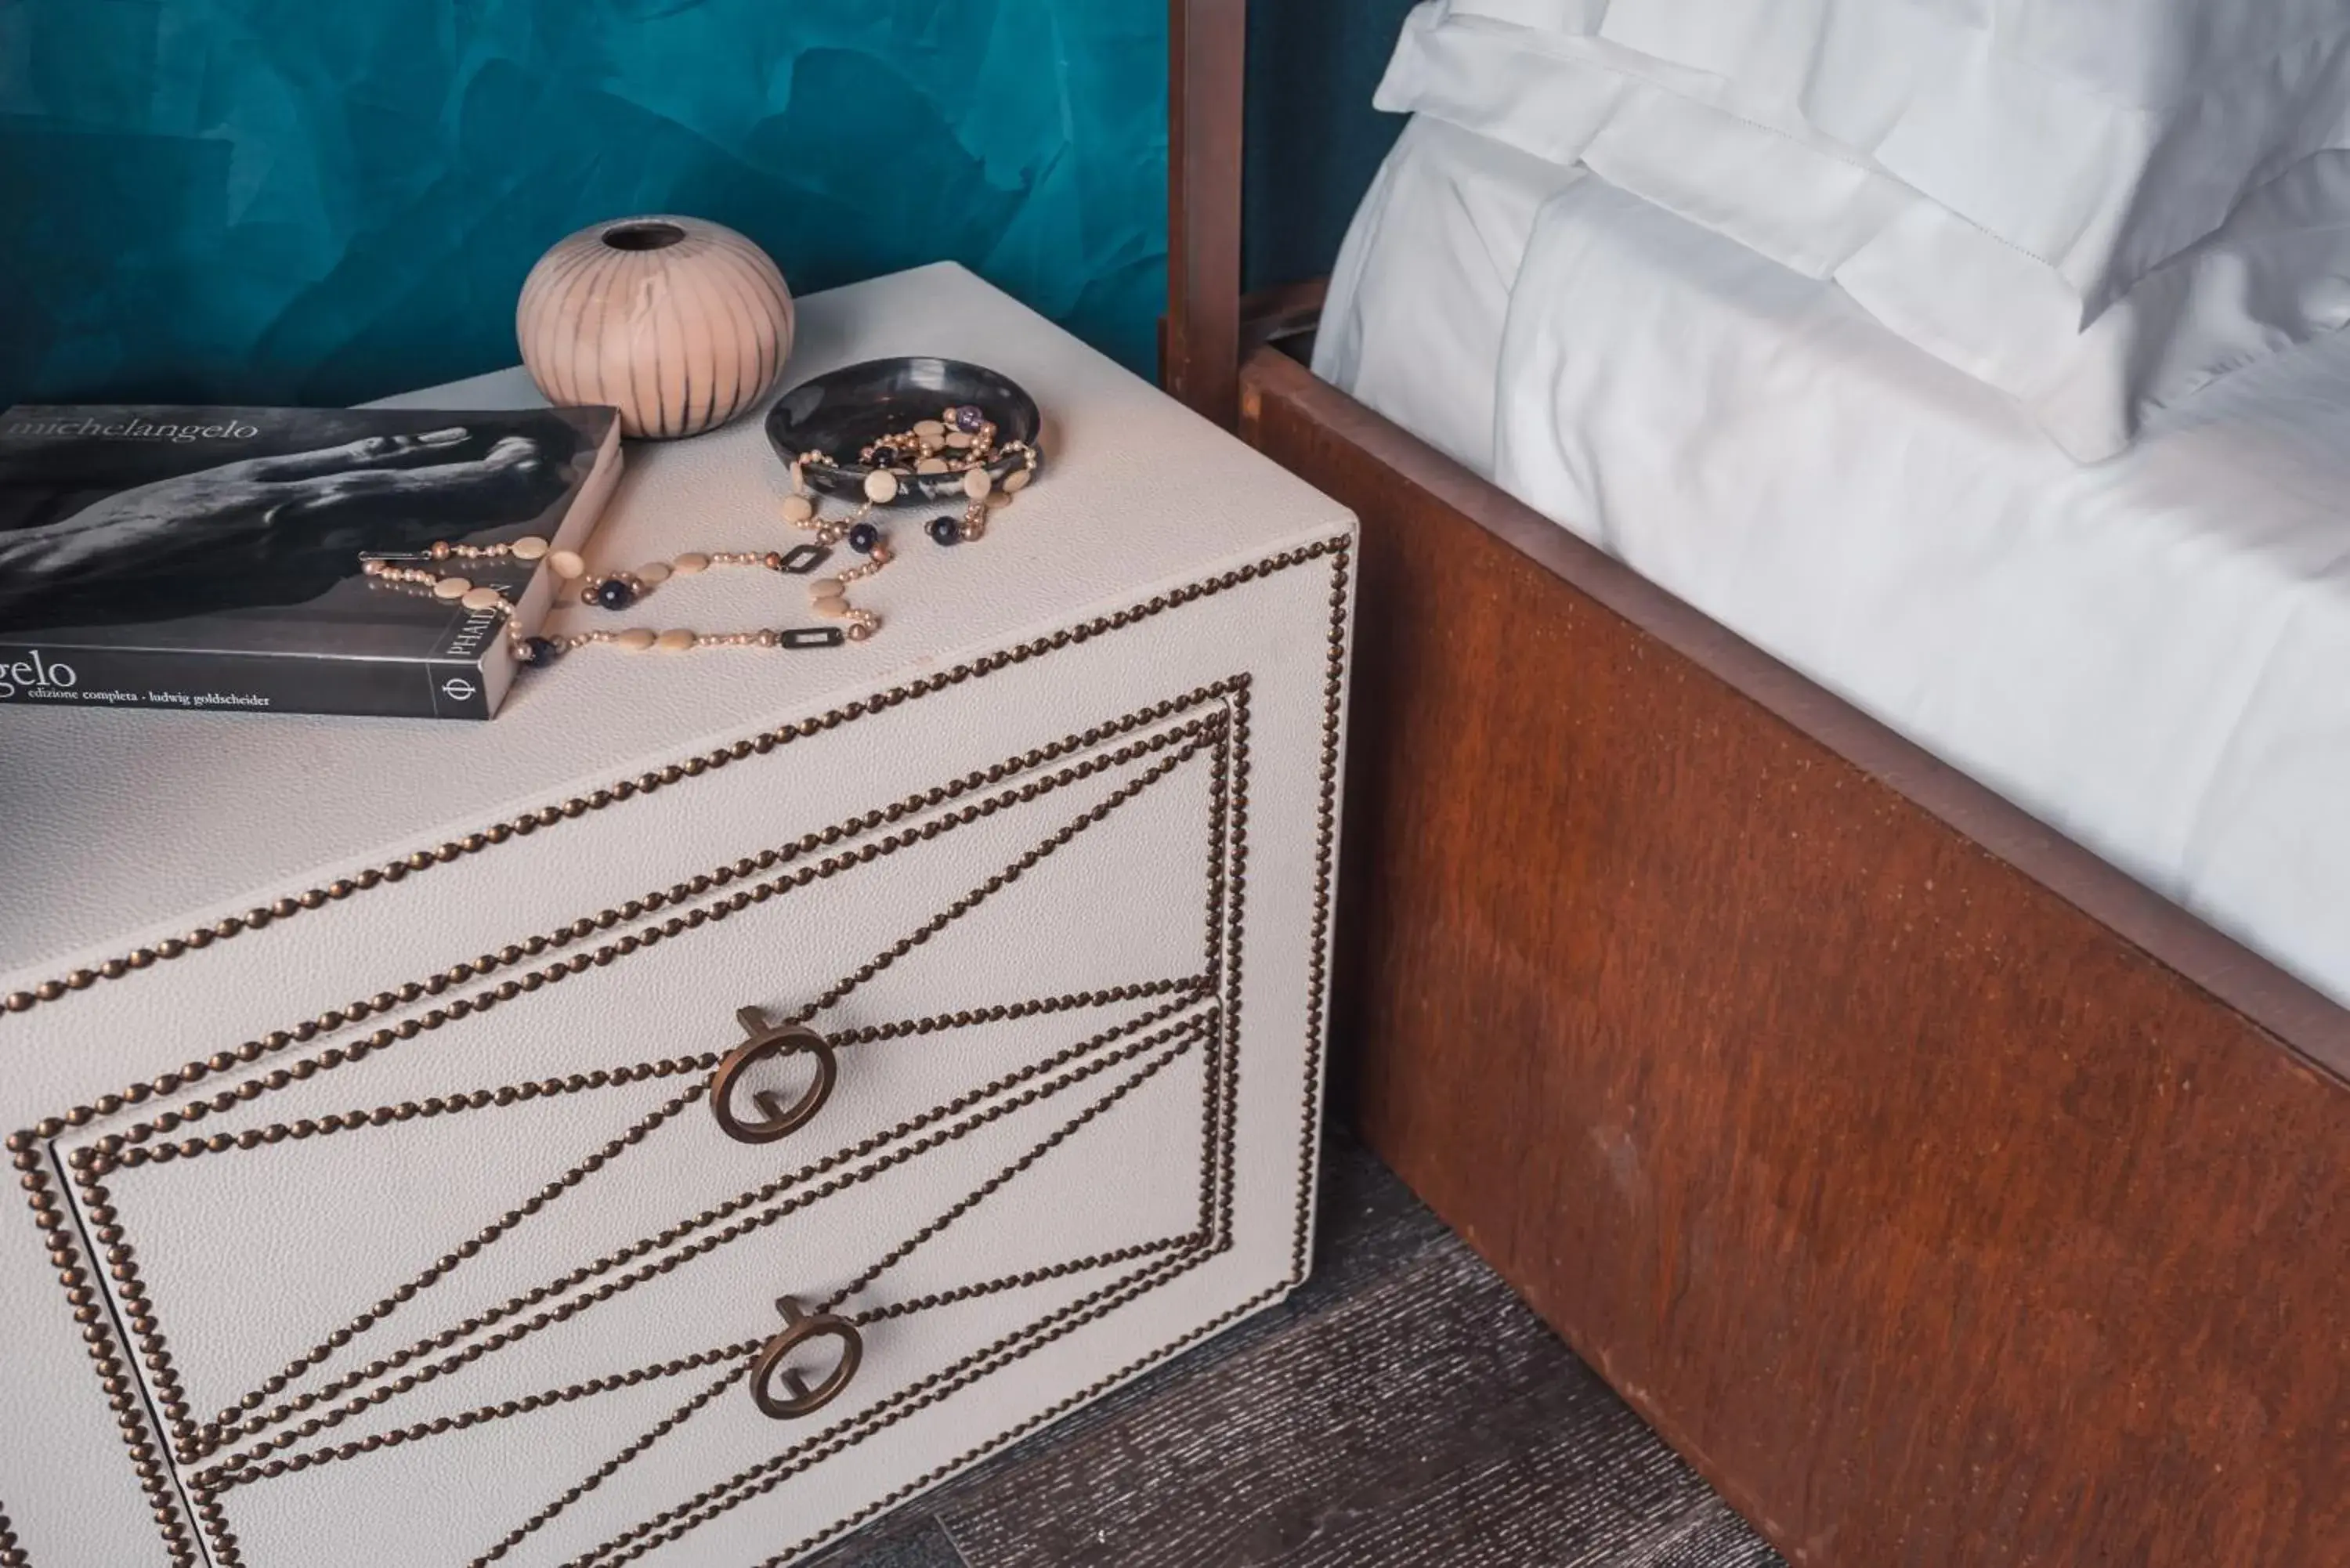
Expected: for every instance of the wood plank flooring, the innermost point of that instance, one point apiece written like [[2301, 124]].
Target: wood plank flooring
[[1403, 1410]]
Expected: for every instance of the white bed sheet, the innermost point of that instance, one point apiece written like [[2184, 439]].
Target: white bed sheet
[[2150, 654], [1413, 323]]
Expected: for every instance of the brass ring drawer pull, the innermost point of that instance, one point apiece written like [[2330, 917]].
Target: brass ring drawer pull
[[765, 1041], [799, 1327]]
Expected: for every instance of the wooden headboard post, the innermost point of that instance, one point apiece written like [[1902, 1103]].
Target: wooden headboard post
[[1207, 54]]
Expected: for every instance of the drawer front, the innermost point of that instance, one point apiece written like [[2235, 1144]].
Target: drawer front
[[1033, 1213], [501, 1259], [360, 1203]]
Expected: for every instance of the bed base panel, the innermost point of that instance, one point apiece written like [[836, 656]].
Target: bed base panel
[[1949, 1199]]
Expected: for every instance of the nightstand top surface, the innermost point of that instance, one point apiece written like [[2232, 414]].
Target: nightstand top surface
[[117, 819]]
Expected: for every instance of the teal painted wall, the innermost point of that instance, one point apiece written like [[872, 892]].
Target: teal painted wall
[[324, 201], [1313, 139]]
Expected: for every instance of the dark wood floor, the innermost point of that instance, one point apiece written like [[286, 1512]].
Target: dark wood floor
[[1403, 1410]]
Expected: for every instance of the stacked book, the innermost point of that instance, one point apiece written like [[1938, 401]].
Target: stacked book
[[215, 558]]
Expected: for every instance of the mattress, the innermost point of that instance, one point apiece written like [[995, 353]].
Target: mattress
[[2151, 654]]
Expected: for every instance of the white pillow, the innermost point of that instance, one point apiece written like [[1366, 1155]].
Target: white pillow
[[2099, 138], [2276, 274], [1712, 152]]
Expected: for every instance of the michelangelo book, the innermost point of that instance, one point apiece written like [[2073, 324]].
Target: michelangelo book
[[213, 558]]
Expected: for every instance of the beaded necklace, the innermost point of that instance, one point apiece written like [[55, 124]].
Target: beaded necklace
[[962, 440]]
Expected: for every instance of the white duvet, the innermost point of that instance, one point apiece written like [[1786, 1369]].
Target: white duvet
[[2151, 654]]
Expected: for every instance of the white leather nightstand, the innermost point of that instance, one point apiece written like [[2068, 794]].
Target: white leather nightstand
[[371, 1081]]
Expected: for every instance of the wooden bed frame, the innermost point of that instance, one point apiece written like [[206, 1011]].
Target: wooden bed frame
[[1945, 1196]]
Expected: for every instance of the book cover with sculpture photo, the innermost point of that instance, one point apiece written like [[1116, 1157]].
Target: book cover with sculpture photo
[[214, 557]]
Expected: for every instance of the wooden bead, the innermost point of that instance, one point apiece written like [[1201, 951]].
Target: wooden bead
[[566, 564], [529, 547], [881, 487], [636, 639], [825, 588], [482, 598], [834, 608], [1017, 479], [930, 429], [653, 572], [932, 465], [687, 564], [451, 588], [958, 437], [798, 509], [677, 640], [976, 484], [998, 499]]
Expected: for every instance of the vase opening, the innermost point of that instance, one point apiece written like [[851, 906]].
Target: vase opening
[[647, 236]]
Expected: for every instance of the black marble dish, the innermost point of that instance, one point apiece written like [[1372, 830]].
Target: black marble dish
[[846, 410]]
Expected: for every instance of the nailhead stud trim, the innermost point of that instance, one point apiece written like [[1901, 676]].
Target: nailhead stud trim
[[397, 868]]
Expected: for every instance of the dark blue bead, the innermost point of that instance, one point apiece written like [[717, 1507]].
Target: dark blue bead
[[535, 651], [885, 457], [613, 593], [946, 530], [863, 537], [968, 418]]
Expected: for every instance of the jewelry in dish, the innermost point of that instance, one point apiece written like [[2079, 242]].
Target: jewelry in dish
[[961, 440]]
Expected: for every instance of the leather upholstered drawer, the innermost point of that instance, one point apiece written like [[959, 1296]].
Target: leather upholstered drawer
[[1023, 967], [436, 1220]]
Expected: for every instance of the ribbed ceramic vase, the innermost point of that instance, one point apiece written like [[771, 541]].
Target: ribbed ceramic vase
[[680, 324]]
